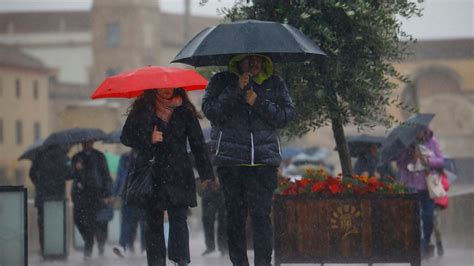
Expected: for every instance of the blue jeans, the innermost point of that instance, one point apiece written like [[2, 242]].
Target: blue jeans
[[131, 217], [427, 207]]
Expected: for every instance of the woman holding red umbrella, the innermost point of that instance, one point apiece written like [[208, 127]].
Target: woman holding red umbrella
[[158, 125]]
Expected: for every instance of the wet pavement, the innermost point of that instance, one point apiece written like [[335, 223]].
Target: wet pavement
[[75, 258], [459, 250]]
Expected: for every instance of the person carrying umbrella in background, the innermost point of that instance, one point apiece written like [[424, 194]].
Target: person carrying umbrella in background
[[246, 105], [366, 149], [49, 171], [414, 163], [91, 195]]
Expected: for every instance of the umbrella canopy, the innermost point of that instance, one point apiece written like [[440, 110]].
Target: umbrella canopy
[[450, 165], [75, 136], [403, 136], [359, 145], [114, 137], [33, 150], [215, 46], [132, 83]]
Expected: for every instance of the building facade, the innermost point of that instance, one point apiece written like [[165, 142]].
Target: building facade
[[24, 103], [442, 78]]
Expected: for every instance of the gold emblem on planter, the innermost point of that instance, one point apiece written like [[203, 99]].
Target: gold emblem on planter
[[342, 219]]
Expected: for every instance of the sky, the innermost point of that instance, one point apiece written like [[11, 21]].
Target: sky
[[442, 19]]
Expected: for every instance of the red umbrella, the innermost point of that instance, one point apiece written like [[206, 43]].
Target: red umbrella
[[132, 83]]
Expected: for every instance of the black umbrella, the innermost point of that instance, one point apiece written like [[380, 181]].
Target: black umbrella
[[75, 136], [450, 169], [215, 46], [359, 145], [33, 150], [403, 136], [114, 137]]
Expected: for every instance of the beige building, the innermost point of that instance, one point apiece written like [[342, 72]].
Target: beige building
[[442, 78], [24, 102], [84, 47], [73, 41], [126, 35]]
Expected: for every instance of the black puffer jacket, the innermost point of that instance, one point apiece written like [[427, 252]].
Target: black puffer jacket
[[245, 134]]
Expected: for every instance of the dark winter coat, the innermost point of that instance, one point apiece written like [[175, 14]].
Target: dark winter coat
[[245, 134], [173, 173], [48, 173], [93, 183]]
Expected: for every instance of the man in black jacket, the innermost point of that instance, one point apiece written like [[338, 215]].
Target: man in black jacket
[[246, 105], [91, 192]]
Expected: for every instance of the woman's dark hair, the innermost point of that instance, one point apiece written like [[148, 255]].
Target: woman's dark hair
[[186, 102], [147, 100]]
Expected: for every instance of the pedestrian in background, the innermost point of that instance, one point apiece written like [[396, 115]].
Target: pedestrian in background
[[414, 164], [369, 163], [213, 210], [49, 171], [131, 215], [440, 205], [91, 194]]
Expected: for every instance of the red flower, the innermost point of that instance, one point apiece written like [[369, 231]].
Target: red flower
[[319, 186], [303, 182], [323, 183], [331, 180], [334, 188], [373, 181]]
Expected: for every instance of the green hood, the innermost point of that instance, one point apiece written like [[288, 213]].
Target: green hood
[[267, 67]]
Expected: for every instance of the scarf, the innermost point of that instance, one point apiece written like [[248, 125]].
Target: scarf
[[165, 107]]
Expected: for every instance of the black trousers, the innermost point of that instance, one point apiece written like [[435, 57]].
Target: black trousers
[[178, 242], [249, 191], [85, 220], [213, 208]]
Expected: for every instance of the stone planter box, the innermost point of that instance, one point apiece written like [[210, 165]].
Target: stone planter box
[[371, 228]]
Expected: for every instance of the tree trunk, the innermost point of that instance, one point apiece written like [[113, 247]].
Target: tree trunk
[[342, 149], [338, 131]]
